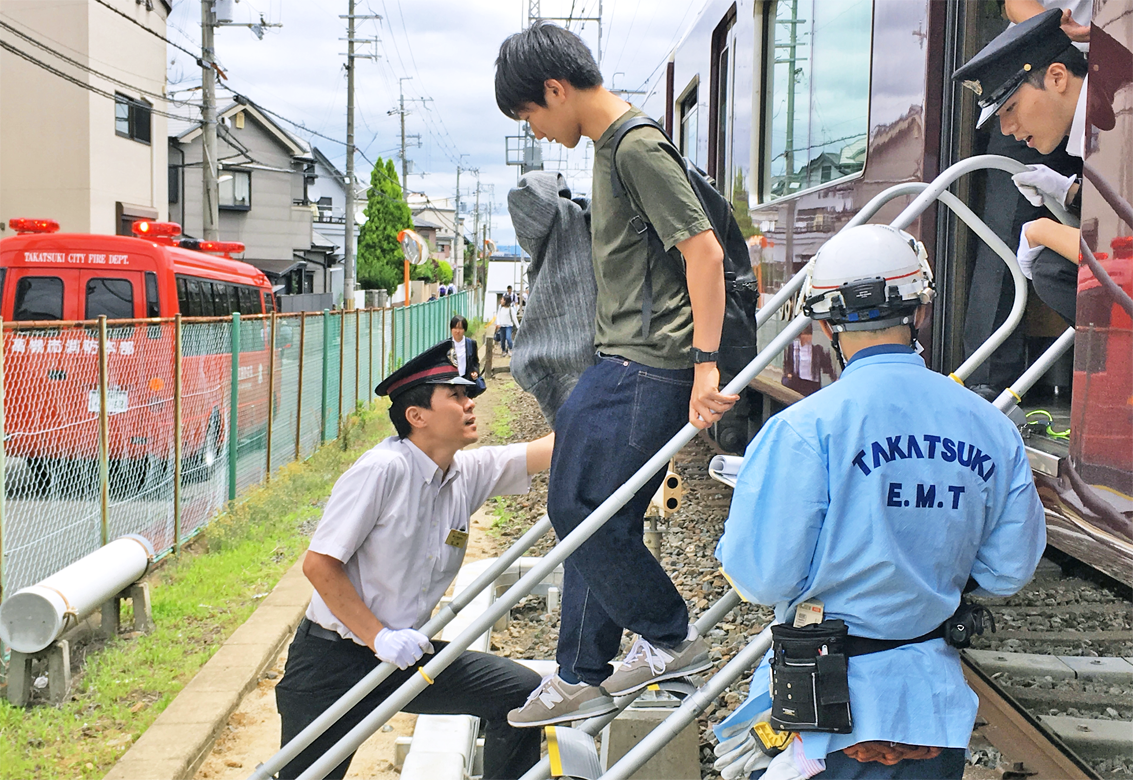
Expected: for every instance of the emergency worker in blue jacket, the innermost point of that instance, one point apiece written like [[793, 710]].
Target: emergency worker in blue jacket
[[874, 501]]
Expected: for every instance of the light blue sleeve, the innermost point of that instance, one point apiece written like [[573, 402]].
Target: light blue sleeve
[[778, 506], [1014, 543]]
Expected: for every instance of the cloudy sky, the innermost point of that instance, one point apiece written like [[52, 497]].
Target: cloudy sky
[[445, 50]]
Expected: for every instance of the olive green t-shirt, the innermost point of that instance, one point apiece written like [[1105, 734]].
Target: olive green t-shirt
[[657, 188]]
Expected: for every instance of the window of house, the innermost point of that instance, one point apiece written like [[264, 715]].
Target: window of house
[[817, 115], [174, 183], [112, 297], [325, 206], [38, 298], [235, 189], [689, 118], [132, 118]]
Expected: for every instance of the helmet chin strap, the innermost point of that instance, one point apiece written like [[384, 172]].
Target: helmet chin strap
[[836, 343]]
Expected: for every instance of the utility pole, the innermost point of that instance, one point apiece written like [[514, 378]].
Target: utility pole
[[210, 211], [404, 160], [458, 239], [349, 260]]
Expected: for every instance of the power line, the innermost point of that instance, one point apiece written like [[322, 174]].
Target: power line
[[68, 77], [77, 64], [132, 20]]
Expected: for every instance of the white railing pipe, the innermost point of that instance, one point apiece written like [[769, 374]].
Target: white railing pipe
[[690, 708], [412, 687], [433, 628], [1015, 391], [34, 617], [592, 726]]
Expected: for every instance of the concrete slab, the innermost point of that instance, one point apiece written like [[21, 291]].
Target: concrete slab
[[1116, 670], [182, 736], [1021, 664], [1092, 737], [678, 760], [432, 766]]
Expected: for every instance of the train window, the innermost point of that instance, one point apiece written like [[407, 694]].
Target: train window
[[720, 102], [153, 305], [818, 111], [38, 298], [111, 297], [688, 140]]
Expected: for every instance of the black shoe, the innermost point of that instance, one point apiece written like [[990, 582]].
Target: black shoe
[[986, 392]]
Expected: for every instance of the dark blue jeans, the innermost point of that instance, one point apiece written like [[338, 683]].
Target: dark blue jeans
[[506, 338], [616, 418]]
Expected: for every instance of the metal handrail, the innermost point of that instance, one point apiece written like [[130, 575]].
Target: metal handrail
[[415, 685]]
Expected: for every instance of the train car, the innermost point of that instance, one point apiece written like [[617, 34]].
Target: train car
[[53, 286], [804, 110]]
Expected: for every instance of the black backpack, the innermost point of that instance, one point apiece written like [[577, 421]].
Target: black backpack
[[738, 336]]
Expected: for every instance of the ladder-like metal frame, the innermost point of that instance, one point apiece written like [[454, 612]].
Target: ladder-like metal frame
[[694, 704]]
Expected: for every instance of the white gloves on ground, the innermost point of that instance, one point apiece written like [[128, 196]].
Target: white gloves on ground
[[1039, 180], [738, 753], [1027, 254], [401, 646]]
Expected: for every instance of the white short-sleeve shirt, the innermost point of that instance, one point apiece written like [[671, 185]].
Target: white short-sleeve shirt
[[388, 518]]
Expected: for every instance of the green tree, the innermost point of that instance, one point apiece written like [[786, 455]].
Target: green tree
[[432, 271], [380, 260]]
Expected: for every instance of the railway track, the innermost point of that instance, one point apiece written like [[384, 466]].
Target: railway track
[[1056, 679]]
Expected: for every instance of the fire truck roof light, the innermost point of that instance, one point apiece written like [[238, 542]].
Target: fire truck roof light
[[147, 229], [33, 225], [223, 247]]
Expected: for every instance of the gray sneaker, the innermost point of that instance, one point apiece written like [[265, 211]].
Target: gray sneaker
[[646, 663], [557, 701]]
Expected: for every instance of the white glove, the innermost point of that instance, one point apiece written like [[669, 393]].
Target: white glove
[[739, 754], [1027, 254], [401, 646], [1039, 180]]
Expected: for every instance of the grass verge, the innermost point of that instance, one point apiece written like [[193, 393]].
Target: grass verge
[[199, 598]]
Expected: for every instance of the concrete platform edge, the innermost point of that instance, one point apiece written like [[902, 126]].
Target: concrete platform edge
[[200, 710]]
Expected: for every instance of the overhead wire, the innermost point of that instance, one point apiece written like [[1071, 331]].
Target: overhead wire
[[77, 82], [44, 47], [195, 55]]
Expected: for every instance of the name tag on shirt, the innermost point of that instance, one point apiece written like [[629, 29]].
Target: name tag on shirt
[[457, 538], [808, 613]]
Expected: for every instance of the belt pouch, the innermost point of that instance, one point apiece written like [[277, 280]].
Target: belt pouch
[[810, 689]]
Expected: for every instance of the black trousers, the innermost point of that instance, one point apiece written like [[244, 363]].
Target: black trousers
[[319, 671], [991, 292]]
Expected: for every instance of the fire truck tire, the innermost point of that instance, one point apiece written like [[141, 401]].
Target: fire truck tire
[[201, 465]]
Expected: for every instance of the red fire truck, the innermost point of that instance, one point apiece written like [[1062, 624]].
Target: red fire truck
[[54, 285]]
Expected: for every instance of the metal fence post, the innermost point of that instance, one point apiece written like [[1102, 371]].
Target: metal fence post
[[234, 407], [177, 445], [271, 399], [3, 485], [369, 365], [357, 356], [326, 372], [299, 399], [392, 343], [103, 431], [341, 368]]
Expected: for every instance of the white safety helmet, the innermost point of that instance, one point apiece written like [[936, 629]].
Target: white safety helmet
[[867, 277]]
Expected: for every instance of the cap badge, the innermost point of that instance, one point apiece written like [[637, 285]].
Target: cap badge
[[975, 86], [452, 357]]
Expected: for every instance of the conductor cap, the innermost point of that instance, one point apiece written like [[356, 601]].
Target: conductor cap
[[435, 366], [1001, 67]]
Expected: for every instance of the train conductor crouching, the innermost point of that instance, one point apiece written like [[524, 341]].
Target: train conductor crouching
[[1033, 78], [862, 513], [389, 544]]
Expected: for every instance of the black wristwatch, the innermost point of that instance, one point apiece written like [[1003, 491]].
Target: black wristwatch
[[700, 356]]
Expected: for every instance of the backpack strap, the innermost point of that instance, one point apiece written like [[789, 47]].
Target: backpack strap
[[639, 224]]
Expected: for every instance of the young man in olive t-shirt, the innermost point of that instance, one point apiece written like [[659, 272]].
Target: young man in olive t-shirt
[[640, 390]]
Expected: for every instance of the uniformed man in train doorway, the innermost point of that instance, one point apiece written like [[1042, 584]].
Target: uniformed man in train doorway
[[861, 513], [1032, 81], [390, 542]]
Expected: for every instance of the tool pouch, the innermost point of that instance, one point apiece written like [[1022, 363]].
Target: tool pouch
[[969, 620], [810, 690]]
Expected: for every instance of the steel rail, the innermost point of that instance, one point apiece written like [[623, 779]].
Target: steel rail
[[1020, 737]]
